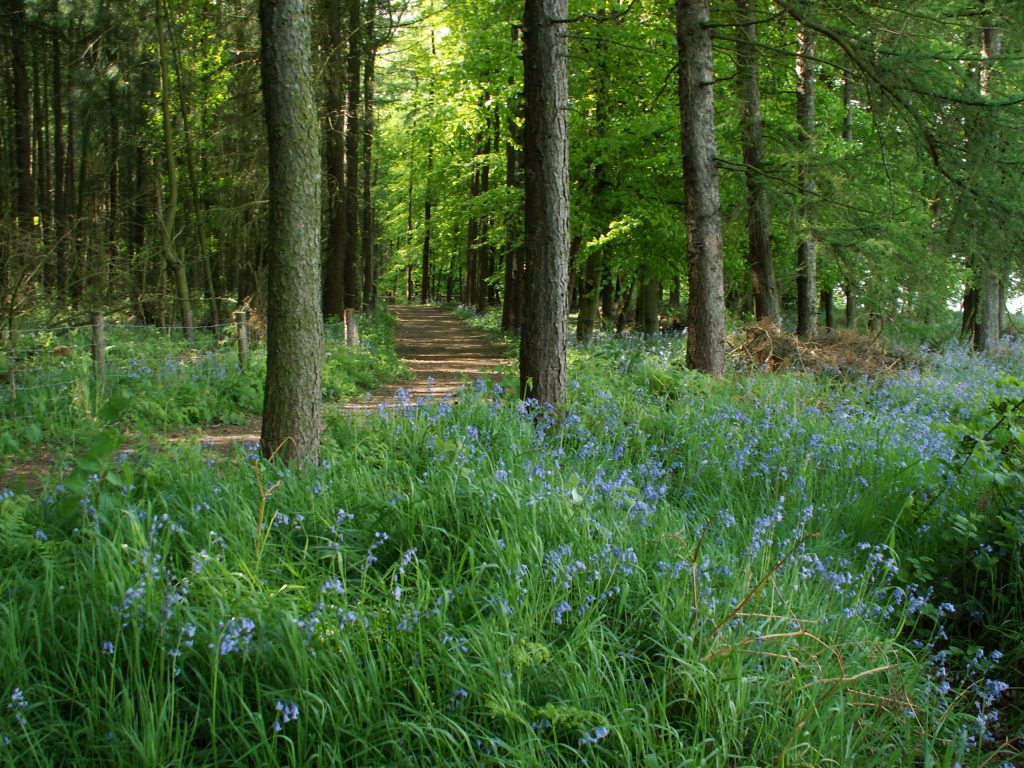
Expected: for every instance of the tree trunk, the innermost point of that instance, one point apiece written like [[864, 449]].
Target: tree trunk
[[589, 296], [851, 304], [705, 344], [295, 341], [826, 308], [511, 314], [542, 363], [22, 107], [172, 258], [337, 232], [651, 313], [368, 239], [193, 179], [425, 271], [806, 260], [987, 267], [759, 216], [352, 136]]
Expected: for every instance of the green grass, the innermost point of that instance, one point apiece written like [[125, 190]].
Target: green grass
[[672, 571], [158, 383]]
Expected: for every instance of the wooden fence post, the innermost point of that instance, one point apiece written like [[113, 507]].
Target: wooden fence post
[[242, 330], [99, 357]]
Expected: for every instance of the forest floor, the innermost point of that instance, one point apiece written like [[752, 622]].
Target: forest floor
[[442, 352]]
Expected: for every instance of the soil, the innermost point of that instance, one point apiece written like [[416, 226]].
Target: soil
[[441, 351]]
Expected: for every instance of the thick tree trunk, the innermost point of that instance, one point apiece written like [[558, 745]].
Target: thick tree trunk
[[542, 363], [759, 215], [807, 259], [705, 345], [295, 342]]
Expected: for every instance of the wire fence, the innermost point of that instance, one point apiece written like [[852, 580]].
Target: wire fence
[[47, 371], [57, 375]]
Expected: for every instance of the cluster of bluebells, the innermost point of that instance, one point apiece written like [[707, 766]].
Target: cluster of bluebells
[[589, 738], [287, 712], [600, 569], [234, 635], [18, 704]]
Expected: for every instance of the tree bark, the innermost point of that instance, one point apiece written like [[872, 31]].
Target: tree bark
[[807, 259], [759, 215], [337, 227], [589, 296], [427, 212], [295, 342], [542, 362], [705, 345], [174, 260], [988, 267], [352, 136], [368, 239]]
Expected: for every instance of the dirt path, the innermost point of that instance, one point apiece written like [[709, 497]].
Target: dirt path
[[442, 352]]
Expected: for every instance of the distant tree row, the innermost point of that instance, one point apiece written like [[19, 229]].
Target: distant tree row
[[866, 156]]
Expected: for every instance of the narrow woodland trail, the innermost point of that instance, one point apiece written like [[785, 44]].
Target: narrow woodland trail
[[442, 352]]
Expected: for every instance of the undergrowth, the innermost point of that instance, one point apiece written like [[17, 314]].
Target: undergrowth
[[672, 570]]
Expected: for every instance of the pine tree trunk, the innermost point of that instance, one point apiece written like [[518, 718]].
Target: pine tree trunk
[[427, 211], [589, 297], [352, 137], [759, 215], [368, 239], [295, 342], [807, 258], [334, 148], [542, 363], [705, 345], [174, 260]]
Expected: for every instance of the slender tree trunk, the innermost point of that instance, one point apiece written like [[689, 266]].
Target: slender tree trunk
[[589, 296], [425, 276], [193, 180], [511, 311], [295, 342], [542, 363], [827, 307], [759, 216], [173, 259], [705, 345], [651, 303], [334, 148], [989, 266], [483, 251], [352, 136], [807, 259], [22, 106], [59, 204], [368, 239]]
